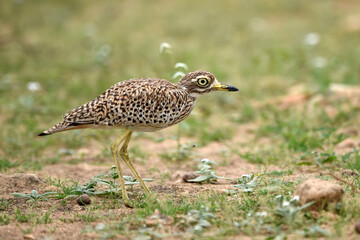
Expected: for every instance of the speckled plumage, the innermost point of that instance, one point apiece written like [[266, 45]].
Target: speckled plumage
[[137, 104], [143, 104]]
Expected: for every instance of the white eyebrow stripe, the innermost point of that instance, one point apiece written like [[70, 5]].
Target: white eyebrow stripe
[[201, 76]]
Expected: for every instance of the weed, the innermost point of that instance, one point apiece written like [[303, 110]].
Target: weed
[[280, 173], [247, 183], [5, 164], [23, 217], [34, 196], [89, 216], [206, 174], [254, 223], [196, 221], [351, 160], [111, 182], [314, 231], [287, 210], [4, 204], [70, 191], [4, 219], [44, 218], [348, 160], [323, 158], [90, 188]]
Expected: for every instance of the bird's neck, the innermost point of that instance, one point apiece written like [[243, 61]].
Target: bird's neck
[[194, 95]]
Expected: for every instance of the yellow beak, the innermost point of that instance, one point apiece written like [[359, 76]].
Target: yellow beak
[[225, 87]]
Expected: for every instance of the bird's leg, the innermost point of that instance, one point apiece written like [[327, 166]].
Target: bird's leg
[[125, 156], [114, 149]]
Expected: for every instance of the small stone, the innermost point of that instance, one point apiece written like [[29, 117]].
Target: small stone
[[29, 236], [320, 191], [189, 176], [83, 200], [357, 227]]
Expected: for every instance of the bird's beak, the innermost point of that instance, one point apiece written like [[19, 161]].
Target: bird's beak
[[225, 87]]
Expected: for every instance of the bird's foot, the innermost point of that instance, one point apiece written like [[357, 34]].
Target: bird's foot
[[128, 203]]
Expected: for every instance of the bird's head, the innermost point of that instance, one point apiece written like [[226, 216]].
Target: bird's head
[[201, 82]]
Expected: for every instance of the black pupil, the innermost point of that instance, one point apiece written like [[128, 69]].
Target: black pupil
[[202, 81]]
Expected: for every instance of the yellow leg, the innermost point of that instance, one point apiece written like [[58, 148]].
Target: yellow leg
[[114, 149], [125, 156]]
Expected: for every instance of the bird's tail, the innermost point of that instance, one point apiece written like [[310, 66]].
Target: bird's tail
[[63, 126]]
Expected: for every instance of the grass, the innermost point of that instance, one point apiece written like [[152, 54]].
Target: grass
[[289, 59]]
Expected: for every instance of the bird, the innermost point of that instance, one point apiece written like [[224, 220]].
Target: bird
[[139, 105]]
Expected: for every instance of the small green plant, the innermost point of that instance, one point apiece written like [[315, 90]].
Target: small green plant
[[34, 196], [89, 216], [195, 221], [287, 210], [4, 219], [113, 175], [23, 217], [323, 158], [90, 187], [207, 175], [348, 160], [254, 223], [351, 159], [44, 218], [69, 191], [109, 180], [247, 183], [314, 231], [4, 204], [5, 164]]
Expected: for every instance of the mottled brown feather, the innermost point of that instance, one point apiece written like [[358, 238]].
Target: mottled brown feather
[[144, 104]]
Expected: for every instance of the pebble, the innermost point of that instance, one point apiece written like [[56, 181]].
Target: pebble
[[83, 200]]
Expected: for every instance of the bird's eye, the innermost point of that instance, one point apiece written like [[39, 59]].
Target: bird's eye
[[202, 82]]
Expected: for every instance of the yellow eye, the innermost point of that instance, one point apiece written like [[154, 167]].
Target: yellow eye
[[202, 82]]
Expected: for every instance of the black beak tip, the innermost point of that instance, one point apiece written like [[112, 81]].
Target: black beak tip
[[232, 89]]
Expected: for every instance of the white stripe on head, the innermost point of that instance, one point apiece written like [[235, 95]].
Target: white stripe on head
[[201, 76]]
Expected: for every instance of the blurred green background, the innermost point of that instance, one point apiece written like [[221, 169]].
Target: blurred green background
[[56, 55]]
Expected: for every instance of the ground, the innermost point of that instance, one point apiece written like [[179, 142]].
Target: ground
[[296, 116], [105, 216]]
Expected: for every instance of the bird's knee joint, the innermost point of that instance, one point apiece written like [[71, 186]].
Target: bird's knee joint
[[113, 147], [123, 152]]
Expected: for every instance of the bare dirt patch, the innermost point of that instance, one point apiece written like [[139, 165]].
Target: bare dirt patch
[[79, 172], [18, 183], [10, 232]]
